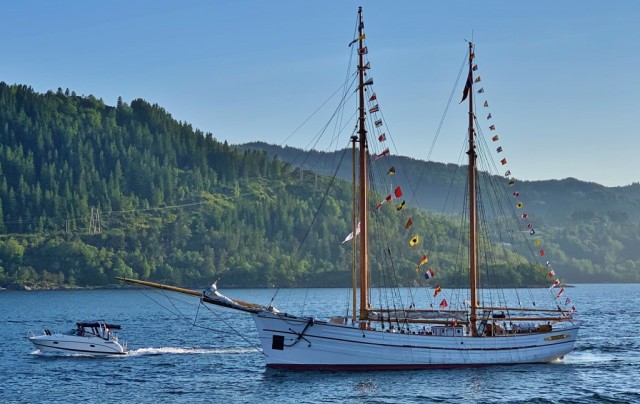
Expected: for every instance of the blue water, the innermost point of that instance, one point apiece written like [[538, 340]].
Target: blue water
[[216, 360]]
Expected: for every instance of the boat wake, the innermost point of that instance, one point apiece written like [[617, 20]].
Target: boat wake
[[188, 351]]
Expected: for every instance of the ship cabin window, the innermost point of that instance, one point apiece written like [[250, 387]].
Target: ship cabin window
[[448, 331], [278, 342]]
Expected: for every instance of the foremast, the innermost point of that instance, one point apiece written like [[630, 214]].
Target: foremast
[[473, 220], [362, 142]]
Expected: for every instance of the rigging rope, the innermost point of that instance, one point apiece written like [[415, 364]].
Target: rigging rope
[[193, 324]]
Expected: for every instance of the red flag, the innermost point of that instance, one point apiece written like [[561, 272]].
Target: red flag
[[443, 303], [503, 161], [409, 223], [541, 253], [423, 261], [382, 137], [373, 97], [388, 199], [436, 290], [560, 293], [566, 302], [385, 152], [375, 108], [363, 51], [398, 192], [552, 273], [555, 283]]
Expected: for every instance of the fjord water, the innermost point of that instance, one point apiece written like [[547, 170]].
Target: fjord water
[[183, 352]]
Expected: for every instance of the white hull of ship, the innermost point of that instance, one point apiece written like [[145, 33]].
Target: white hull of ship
[[298, 343]]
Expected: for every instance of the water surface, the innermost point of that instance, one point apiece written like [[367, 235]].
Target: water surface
[[184, 352]]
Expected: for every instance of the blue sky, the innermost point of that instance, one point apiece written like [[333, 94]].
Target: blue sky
[[560, 76]]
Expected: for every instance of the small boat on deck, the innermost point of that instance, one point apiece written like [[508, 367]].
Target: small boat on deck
[[90, 338]]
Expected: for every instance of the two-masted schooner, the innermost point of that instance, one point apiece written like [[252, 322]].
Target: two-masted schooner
[[475, 333]]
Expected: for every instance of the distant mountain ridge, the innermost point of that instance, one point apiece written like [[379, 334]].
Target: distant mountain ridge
[[592, 232], [555, 200]]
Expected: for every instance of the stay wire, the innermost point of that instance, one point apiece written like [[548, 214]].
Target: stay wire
[[183, 317]]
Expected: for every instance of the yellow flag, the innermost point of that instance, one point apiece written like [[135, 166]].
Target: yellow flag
[[415, 240], [363, 36]]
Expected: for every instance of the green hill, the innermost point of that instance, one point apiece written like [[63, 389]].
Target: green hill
[[90, 191]]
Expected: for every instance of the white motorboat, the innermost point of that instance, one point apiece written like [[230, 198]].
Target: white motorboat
[[90, 338]]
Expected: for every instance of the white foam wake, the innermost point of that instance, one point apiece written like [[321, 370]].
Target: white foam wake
[[188, 351]]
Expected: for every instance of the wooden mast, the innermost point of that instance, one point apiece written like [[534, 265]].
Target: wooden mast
[[354, 250], [362, 140], [473, 221]]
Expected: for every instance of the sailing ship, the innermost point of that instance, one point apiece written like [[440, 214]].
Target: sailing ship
[[476, 333]]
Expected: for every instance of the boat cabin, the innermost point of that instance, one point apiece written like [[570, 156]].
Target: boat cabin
[[95, 328]]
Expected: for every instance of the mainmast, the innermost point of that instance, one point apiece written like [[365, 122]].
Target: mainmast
[[354, 249], [473, 221], [362, 141]]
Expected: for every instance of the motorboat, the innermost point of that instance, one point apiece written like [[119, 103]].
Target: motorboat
[[90, 338]]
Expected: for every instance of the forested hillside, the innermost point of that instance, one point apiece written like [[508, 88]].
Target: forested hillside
[[591, 231], [90, 191]]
